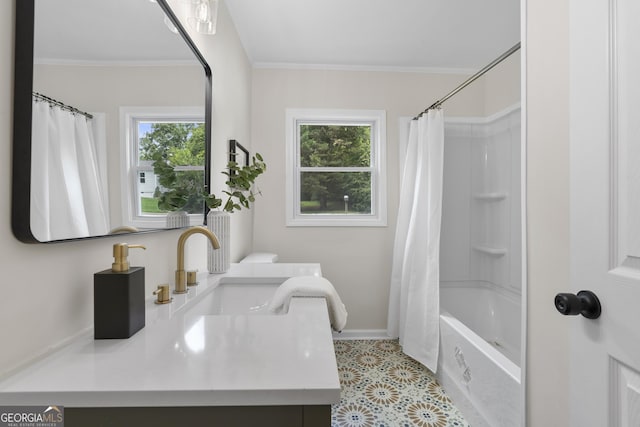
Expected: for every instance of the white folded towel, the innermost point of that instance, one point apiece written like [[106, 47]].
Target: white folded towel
[[311, 286]]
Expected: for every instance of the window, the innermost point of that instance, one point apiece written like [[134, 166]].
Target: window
[[173, 136], [335, 168]]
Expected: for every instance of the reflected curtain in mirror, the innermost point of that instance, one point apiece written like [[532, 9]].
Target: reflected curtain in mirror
[[68, 197]]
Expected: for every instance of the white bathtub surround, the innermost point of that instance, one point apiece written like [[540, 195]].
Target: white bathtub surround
[[481, 279], [311, 286], [480, 349], [490, 311], [414, 295], [219, 260], [188, 356], [481, 225]]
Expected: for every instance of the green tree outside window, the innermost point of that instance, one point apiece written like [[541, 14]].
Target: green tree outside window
[[330, 148], [174, 147]]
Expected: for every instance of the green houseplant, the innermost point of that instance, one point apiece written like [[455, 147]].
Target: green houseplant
[[240, 180]]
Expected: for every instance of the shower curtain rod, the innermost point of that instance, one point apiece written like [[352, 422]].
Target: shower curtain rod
[[471, 79], [62, 105]]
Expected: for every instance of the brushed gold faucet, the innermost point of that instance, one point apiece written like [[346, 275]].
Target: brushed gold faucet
[[181, 275]]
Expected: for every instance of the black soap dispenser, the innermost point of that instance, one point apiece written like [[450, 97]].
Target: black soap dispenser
[[118, 297]]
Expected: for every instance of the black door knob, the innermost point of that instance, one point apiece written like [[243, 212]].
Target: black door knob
[[585, 303]]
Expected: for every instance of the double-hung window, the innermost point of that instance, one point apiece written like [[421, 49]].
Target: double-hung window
[[175, 135], [336, 167]]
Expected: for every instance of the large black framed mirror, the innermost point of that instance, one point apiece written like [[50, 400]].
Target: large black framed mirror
[[125, 76]]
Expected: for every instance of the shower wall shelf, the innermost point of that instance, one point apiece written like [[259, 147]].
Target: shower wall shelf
[[496, 252], [490, 196]]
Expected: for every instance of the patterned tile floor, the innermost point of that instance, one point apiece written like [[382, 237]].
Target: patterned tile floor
[[383, 387]]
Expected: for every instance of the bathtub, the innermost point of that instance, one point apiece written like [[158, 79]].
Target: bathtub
[[480, 352]]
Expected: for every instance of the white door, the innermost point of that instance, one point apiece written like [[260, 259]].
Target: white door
[[605, 210]]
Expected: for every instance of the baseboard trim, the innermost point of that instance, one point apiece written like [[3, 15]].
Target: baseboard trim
[[361, 334]]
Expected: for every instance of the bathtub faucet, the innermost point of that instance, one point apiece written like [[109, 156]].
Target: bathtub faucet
[[181, 277]]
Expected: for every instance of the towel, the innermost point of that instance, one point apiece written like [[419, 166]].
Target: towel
[[311, 286]]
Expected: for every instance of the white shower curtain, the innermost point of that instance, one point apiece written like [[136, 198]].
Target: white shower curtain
[[414, 299], [67, 197]]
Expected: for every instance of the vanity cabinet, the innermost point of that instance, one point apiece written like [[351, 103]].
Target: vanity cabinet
[[223, 416]]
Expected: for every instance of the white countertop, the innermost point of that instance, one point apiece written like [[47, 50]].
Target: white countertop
[[179, 359]]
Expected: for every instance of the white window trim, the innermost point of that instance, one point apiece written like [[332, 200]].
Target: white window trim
[[378, 216], [128, 153]]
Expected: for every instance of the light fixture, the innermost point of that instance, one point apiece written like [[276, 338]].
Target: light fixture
[[170, 25], [204, 16], [167, 21]]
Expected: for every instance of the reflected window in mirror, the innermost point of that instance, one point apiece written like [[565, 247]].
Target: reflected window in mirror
[[164, 171]]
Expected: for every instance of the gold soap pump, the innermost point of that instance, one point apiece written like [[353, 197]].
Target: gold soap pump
[[121, 256]]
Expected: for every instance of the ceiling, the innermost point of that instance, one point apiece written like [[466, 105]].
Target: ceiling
[[430, 35], [119, 31], [394, 34]]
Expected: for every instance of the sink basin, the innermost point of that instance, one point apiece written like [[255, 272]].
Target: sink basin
[[236, 296]]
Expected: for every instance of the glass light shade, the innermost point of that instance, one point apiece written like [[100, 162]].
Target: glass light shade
[[203, 12], [204, 17]]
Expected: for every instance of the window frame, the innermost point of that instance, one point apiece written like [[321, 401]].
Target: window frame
[[377, 119], [129, 117]]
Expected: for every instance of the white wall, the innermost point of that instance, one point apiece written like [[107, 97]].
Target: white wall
[[502, 85], [356, 259], [47, 290], [547, 88]]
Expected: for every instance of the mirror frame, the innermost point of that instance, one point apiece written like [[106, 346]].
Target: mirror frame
[[22, 114]]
